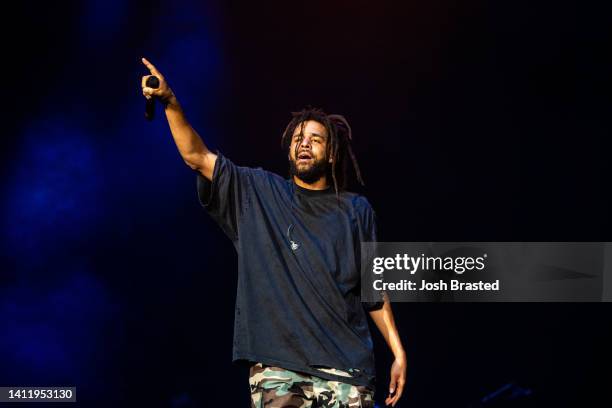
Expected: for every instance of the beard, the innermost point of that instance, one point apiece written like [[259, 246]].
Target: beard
[[309, 173]]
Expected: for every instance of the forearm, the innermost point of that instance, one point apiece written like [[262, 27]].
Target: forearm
[[383, 318], [190, 145]]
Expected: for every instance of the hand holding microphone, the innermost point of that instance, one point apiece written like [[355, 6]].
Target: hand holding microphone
[[154, 86]]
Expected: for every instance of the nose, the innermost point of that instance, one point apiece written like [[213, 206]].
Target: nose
[[305, 141]]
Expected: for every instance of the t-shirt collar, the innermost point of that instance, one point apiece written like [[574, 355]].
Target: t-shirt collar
[[310, 192]]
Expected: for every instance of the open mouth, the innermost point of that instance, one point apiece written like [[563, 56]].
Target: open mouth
[[304, 157]]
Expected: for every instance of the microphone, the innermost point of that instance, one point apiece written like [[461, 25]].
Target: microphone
[[152, 82]]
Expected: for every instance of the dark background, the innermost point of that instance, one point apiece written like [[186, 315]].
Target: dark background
[[472, 120]]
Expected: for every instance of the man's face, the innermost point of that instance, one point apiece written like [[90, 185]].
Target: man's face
[[308, 151]]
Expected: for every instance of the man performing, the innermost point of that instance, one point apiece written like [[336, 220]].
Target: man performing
[[299, 324]]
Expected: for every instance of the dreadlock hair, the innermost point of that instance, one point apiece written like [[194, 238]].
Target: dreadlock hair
[[339, 139]]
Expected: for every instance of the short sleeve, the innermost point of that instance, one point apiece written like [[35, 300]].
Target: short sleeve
[[370, 234], [226, 197]]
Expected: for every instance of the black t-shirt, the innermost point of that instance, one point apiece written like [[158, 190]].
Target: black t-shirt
[[298, 301]]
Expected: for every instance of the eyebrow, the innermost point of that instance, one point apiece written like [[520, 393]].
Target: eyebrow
[[312, 133]]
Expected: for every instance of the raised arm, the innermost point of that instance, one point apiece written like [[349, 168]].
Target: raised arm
[[190, 145]]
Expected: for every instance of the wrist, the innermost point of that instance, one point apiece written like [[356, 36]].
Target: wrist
[[400, 354], [171, 102]]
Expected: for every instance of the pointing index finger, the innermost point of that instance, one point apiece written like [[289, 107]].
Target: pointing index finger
[[151, 67]]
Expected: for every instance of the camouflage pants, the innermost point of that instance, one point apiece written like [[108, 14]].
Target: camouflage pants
[[274, 387]]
